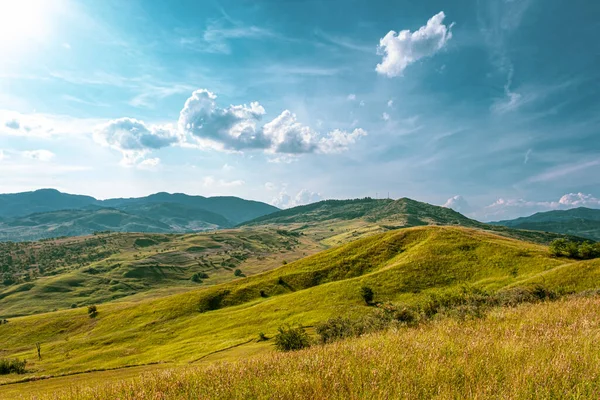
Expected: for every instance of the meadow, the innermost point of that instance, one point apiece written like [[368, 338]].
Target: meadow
[[549, 350]]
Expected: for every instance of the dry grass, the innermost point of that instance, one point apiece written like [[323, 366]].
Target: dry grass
[[549, 350]]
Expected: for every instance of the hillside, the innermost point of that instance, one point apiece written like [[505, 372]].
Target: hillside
[[584, 222], [539, 351], [222, 321], [58, 274], [339, 221]]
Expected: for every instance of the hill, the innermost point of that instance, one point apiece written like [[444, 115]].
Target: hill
[[339, 221], [584, 222], [48, 213], [544, 351], [223, 321], [43, 276]]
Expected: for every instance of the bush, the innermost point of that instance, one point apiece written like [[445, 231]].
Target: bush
[[12, 366], [335, 329], [291, 338], [198, 276], [367, 294], [566, 248], [73, 305], [262, 337], [238, 272], [92, 311]]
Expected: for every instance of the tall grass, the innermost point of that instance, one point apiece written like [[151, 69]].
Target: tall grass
[[546, 350]]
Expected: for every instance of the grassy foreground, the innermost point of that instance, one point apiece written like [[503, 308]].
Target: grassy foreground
[[549, 350]]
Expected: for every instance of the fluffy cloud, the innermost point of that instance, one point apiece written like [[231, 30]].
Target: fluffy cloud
[[512, 208], [351, 97], [211, 182], [237, 128], [404, 48], [385, 116], [39, 155], [133, 138], [458, 203], [149, 163], [304, 196]]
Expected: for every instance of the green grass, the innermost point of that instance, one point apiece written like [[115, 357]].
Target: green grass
[[548, 350], [405, 265], [54, 275]]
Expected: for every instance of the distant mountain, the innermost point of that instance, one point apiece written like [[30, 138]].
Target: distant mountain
[[43, 200], [49, 213], [584, 222], [356, 215], [234, 209], [75, 223]]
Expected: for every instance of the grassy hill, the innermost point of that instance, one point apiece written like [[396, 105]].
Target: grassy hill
[[584, 222], [539, 351], [339, 221], [223, 321], [57, 274]]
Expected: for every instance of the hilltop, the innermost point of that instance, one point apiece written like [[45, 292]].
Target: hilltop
[[222, 321], [339, 221], [584, 222]]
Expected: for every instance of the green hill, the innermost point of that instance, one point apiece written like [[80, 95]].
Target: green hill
[[339, 221], [407, 265], [584, 222], [56, 274]]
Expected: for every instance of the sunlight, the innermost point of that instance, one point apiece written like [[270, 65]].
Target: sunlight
[[22, 23]]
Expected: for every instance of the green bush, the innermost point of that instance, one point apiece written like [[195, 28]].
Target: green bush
[[335, 329], [291, 338], [367, 294], [92, 311], [12, 366], [238, 272], [198, 276], [566, 248]]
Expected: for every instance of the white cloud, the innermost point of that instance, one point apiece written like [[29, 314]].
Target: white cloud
[[270, 186], [390, 103], [304, 196], [527, 155], [134, 139], [149, 163], [401, 49], [351, 97], [211, 182], [39, 155], [503, 209], [227, 167], [385, 116], [459, 204], [2, 156], [236, 128], [362, 103]]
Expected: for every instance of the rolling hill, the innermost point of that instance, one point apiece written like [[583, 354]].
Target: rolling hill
[[584, 222], [339, 221], [221, 321]]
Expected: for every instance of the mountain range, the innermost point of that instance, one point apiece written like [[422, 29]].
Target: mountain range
[[582, 221], [48, 213]]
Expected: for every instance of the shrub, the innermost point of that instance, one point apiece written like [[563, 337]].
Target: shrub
[[238, 272], [92, 311], [335, 329], [367, 294], [262, 337], [12, 366], [291, 338], [73, 305], [198, 276]]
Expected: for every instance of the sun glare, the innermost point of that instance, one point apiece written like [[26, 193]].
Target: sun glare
[[24, 23]]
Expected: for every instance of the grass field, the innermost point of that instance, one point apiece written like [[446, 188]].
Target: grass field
[[547, 350], [224, 320], [60, 274]]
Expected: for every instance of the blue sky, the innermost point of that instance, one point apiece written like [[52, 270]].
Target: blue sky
[[491, 107]]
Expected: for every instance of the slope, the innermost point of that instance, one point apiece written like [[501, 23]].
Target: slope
[[584, 222], [339, 221], [405, 265]]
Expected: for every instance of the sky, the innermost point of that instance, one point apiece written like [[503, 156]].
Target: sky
[[490, 107]]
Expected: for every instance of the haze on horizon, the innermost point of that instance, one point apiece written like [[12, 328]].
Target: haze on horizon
[[488, 107]]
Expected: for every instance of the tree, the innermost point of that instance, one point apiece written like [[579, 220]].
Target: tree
[[238, 272], [558, 247], [367, 294], [587, 251]]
